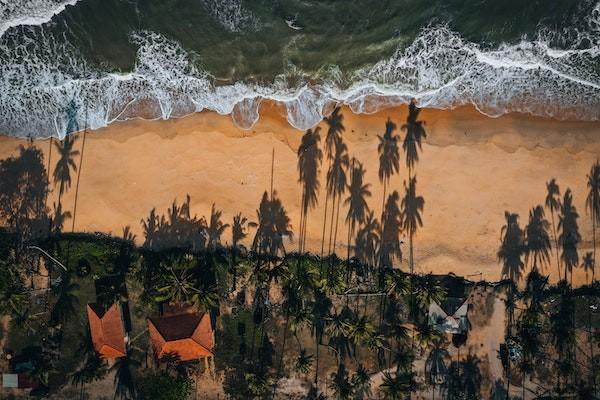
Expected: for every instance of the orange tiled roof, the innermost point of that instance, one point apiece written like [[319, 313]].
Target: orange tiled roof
[[107, 331], [190, 336]]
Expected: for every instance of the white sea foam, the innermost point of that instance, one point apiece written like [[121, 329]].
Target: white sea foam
[[29, 12], [39, 77]]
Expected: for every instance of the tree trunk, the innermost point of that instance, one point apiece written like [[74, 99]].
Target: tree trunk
[[333, 208], [337, 221], [555, 244], [317, 362], [78, 177], [324, 228], [301, 220]]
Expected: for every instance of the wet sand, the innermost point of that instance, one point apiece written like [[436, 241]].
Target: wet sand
[[471, 170]]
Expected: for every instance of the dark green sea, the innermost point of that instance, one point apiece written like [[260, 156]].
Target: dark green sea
[[69, 64]]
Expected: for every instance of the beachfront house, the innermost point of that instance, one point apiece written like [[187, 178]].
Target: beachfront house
[[188, 335], [451, 314], [107, 330]]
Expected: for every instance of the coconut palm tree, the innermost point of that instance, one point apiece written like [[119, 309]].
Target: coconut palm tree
[[436, 365], [304, 362], [215, 228], [310, 157], [537, 238], [334, 136], [553, 204], [125, 387], [64, 308], [337, 331], [412, 207], [389, 248], [471, 375], [367, 240], [178, 284], [592, 204], [92, 369], [588, 264], [397, 386], [415, 133], [340, 384], [512, 248], [359, 330], [336, 187], [65, 163], [389, 157], [361, 383], [569, 236], [356, 200], [239, 231], [321, 308]]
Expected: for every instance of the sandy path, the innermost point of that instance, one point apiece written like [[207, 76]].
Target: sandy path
[[472, 169]]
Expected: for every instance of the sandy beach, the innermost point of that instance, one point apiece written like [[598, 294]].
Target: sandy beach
[[471, 170]]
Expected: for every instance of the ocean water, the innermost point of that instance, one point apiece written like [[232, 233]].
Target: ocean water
[[112, 60]]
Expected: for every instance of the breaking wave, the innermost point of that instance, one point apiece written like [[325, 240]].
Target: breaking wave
[[41, 76], [29, 12]]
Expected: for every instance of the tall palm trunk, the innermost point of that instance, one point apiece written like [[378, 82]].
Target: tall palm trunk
[[555, 242], [337, 221], [301, 235], [78, 177], [49, 173], [317, 361], [333, 208], [324, 228]]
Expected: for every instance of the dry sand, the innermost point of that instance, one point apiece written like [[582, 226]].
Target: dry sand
[[472, 169]]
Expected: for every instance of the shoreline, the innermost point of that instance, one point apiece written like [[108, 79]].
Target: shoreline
[[472, 169]]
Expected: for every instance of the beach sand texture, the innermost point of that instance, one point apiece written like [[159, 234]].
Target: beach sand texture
[[471, 170]]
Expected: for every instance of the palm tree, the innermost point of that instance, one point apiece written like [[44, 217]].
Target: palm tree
[[215, 228], [592, 204], [59, 218], [334, 136], [389, 157], [415, 132], [569, 236], [367, 240], [436, 365], [79, 172], [178, 284], [336, 186], [238, 233], [389, 248], [538, 239], [66, 301], [397, 386], [310, 157], [553, 204], [361, 382], [340, 384], [125, 387], [512, 248], [472, 377], [92, 369], [588, 264], [65, 163], [356, 200], [412, 207], [321, 308], [304, 362]]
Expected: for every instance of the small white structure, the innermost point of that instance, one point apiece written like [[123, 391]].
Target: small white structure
[[450, 316], [10, 380]]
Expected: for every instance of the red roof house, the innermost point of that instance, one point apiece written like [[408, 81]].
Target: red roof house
[[190, 336], [106, 327]]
